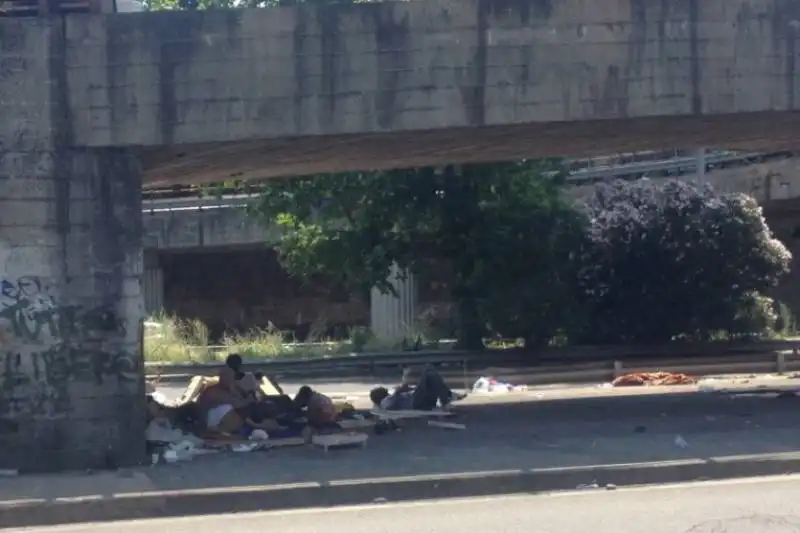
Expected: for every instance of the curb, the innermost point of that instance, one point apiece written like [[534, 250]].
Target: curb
[[29, 513]]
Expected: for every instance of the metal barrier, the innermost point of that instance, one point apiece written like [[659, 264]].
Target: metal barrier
[[583, 175], [546, 361]]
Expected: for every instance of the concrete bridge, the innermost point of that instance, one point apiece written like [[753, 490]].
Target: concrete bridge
[[94, 107]]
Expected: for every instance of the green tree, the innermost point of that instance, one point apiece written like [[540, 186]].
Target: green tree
[[496, 226]]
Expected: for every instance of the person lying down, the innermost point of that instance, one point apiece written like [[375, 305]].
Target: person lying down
[[430, 391]]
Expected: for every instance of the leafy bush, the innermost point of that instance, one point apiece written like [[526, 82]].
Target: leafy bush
[[529, 292], [675, 259]]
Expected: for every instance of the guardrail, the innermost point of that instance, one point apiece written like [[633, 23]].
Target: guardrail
[[583, 175], [555, 360], [675, 164]]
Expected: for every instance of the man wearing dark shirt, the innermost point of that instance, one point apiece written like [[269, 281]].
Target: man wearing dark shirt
[[429, 391]]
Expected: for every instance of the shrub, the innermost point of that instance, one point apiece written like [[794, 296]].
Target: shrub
[[675, 259]]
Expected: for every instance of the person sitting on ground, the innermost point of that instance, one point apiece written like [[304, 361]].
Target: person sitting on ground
[[319, 409], [246, 381], [429, 391], [227, 411], [249, 384], [219, 399]]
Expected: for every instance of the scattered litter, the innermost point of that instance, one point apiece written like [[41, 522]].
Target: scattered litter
[[653, 379], [611, 486], [161, 430], [259, 435], [380, 500], [9, 472], [160, 398], [680, 442], [589, 486], [170, 456], [606, 385], [490, 385]]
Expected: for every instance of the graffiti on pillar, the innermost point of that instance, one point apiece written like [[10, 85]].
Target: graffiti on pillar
[[27, 307], [47, 349]]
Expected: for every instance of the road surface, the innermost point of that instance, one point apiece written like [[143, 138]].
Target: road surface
[[766, 505]]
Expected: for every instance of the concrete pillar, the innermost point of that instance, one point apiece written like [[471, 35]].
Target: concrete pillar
[[153, 284], [392, 317], [71, 376]]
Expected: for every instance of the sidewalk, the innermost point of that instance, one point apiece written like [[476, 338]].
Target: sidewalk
[[563, 442]]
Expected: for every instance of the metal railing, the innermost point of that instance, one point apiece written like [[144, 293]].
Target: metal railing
[[550, 360], [592, 172]]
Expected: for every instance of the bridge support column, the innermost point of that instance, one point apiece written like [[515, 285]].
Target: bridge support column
[[71, 372], [153, 283], [392, 317]]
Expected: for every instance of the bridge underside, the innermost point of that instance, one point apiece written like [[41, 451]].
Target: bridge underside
[[259, 159]]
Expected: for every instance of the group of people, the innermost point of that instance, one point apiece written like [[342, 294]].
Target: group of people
[[237, 405]]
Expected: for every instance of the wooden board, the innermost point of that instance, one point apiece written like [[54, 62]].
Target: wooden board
[[336, 440], [285, 442], [397, 415]]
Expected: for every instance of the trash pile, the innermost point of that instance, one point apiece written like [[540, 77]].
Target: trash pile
[[244, 412], [490, 385], [638, 379]]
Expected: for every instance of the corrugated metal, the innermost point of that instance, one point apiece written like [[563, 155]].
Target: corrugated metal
[[392, 317], [153, 289]]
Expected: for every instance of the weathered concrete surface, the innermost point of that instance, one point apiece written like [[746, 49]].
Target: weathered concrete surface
[[211, 228], [71, 377], [255, 93]]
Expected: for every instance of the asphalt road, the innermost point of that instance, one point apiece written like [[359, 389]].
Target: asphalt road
[[765, 505]]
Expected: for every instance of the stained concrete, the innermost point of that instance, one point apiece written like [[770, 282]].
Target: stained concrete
[[71, 380], [303, 89]]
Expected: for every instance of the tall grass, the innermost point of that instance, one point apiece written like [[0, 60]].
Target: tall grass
[[172, 339], [257, 343]]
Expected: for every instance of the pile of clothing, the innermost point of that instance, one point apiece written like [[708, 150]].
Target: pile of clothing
[[653, 379]]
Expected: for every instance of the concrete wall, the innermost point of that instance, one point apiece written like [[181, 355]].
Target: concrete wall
[[312, 89], [194, 77], [71, 381], [225, 227]]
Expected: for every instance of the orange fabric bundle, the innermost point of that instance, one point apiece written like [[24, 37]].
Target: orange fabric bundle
[[653, 378]]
